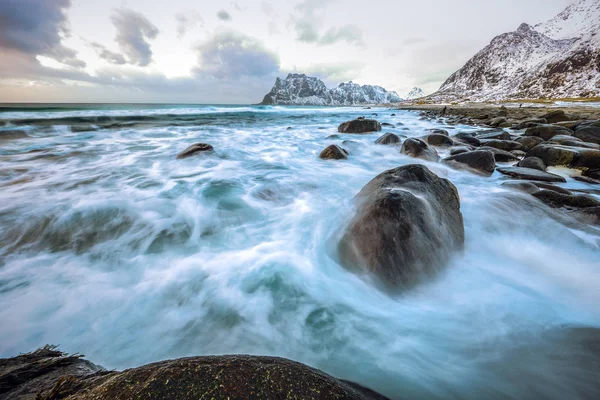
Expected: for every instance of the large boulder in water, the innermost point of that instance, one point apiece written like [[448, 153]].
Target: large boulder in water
[[480, 161], [547, 132], [360, 125], [211, 377], [334, 152], [408, 224], [388, 138], [575, 157], [195, 149], [419, 149]]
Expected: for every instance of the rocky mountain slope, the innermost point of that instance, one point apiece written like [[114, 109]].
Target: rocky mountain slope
[[559, 58], [415, 93], [299, 89]]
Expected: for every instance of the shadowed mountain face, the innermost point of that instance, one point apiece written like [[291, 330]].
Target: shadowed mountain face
[[556, 59], [299, 89]]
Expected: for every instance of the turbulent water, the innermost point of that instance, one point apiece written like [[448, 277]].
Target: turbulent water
[[111, 247]]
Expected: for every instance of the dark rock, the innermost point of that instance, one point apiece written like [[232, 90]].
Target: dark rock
[[530, 123], [575, 157], [333, 137], [506, 145], [530, 174], [552, 187], [518, 153], [211, 377], [496, 134], [419, 149], [13, 134], [497, 121], [521, 186], [436, 139], [593, 173], [438, 131], [459, 150], [589, 132], [589, 215], [533, 163], [479, 160], [195, 148], [500, 155], [558, 200], [407, 225], [333, 152], [468, 139], [529, 142], [585, 179], [547, 132], [556, 116], [387, 124], [570, 124], [503, 112], [360, 126], [392, 115], [388, 138], [574, 142], [83, 128]]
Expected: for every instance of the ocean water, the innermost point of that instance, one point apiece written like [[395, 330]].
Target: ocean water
[[113, 248]]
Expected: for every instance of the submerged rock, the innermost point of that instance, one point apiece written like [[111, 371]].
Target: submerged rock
[[407, 226], [419, 149], [558, 200], [388, 138], [530, 174], [481, 161], [194, 149], [334, 152], [360, 125], [53, 377]]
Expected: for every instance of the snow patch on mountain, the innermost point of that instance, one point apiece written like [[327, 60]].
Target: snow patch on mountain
[[415, 93], [559, 58], [299, 89]]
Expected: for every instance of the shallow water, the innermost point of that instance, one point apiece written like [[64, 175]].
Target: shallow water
[[111, 247]]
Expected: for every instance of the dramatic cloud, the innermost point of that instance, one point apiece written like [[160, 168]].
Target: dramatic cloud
[[332, 73], [224, 15], [308, 24], [36, 27], [108, 55], [230, 55], [187, 21], [134, 32]]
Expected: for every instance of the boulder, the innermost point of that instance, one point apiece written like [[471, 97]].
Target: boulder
[[208, 377], [195, 149], [388, 138], [529, 123], [529, 142], [500, 155], [506, 145], [521, 186], [387, 124], [438, 131], [468, 139], [499, 134], [589, 132], [436, 139], [459, 150], [533, 163], [556, 116], [408, 224], [360, 125], [530, 174], [333, 152], [547, 132], [480, 161], [497, 121], [419, 149], [559, 200], [574, 157]]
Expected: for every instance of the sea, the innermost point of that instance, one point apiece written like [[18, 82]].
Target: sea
[[113, 248]]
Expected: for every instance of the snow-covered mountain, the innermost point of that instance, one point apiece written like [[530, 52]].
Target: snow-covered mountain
[[415, 93], [299, 89], [559, 58]]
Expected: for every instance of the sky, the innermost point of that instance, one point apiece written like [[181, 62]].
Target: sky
[[230, 52]]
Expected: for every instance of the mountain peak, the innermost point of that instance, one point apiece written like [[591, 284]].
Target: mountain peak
[[300, 89]]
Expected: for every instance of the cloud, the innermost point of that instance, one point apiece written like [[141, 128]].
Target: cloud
[[134, 32], [232, 54], [308, 24], [349, 33], [187, 21], [224, 15], [332, 73], [108, 55], [36, 27], [412, 40]]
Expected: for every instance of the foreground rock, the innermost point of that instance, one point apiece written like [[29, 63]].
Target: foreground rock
[[407, 226], [559, 200], [194, 149], [532, 162], [530, 174], [51, 375], [334, 152], [360, 125], [574, 157], [419, 149], [480, 161], [547, 132], [388, 138]]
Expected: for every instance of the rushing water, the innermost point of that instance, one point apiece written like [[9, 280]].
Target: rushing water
[[111, 247]]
